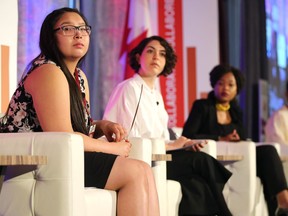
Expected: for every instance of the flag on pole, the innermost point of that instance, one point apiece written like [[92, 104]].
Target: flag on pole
[[137, 27]]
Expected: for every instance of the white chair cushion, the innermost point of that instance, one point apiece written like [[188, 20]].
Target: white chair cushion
[[97, 198]]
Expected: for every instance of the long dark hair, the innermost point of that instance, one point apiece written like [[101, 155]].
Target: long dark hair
[[171, 57], [50, 50]]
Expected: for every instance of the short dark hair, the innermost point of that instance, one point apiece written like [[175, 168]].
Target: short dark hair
[[171, 57], [220, 70]]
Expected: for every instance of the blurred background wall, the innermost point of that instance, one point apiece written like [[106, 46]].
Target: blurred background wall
[[249, 34]]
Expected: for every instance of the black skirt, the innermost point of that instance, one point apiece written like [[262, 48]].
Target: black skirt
[[202, 180], [97, 168]]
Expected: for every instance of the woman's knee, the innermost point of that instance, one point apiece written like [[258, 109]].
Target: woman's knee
[[144, 169], [139, 169], [148, 171], [128, 172]]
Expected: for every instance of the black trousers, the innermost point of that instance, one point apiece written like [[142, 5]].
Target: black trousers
[[202, 180], [270, 171]]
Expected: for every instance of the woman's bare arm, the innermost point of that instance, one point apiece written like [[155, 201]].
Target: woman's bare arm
[[50, 92]]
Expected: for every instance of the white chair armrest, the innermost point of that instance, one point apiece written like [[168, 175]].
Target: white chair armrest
[[240, 191], [210, 148], [174, 196], [53, 189], [141, 149], [284, 149]]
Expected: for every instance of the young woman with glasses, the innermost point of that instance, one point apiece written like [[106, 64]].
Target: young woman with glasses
[[53, 95]]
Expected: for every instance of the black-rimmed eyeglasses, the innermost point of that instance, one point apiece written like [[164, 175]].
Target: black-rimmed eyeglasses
[[70, 30]]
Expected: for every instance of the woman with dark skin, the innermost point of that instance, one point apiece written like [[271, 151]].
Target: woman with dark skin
[[53, 95], [219, 117]]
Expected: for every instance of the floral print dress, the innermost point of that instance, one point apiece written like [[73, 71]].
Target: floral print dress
[[21, 115]]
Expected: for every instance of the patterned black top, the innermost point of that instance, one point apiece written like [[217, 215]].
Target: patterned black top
[[21, 115]]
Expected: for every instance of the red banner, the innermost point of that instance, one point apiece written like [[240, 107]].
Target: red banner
[[172, 87], [137, 28]]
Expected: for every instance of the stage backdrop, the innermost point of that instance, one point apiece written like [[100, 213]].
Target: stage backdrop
[[13, 58], [191, 26], [8, 51]]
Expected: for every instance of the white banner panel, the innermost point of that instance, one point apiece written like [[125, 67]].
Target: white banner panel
[[201, 38], [192, 27]]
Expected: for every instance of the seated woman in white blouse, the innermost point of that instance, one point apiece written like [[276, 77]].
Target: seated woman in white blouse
[[202, 178]]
